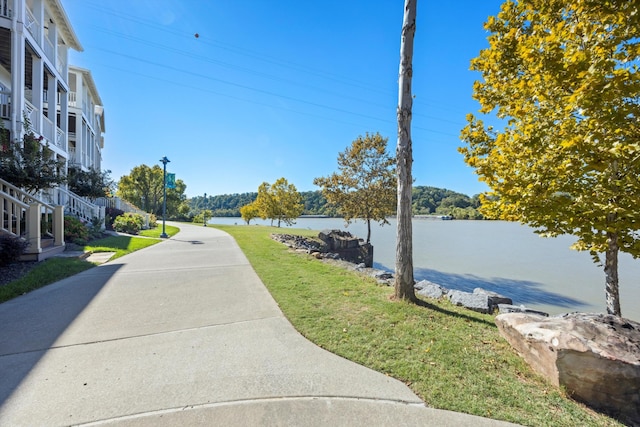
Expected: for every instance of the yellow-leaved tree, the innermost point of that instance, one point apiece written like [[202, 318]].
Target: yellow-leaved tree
[[562, 75], [279, 201], [364, 187]]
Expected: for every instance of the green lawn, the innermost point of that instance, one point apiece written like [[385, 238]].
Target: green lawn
[[48, 271], [121, 245], [54, 269], [453, 358]]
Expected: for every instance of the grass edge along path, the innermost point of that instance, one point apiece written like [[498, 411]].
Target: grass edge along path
[[454, 359], [156, 231], [53, 269]]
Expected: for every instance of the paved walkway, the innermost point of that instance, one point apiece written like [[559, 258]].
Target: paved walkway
[[183, 333]]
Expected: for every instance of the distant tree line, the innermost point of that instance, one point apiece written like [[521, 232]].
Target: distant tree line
[[426, 201]]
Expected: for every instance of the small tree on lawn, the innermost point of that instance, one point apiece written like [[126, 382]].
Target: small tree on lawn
[[249, 212], [364, 186], [279, 201]]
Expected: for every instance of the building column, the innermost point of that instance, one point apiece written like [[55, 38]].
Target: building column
[[58, 225], [17, 69], [37, 89], [33, 228], [64, 120], [52, 105]]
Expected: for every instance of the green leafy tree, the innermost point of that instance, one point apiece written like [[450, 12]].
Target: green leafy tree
[[29, 164], [144, 186], [202, 217], [91, 184], [279, 201], [365, 185], [563, 78]]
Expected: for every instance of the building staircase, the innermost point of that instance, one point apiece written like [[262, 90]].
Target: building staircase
[[27, 217]]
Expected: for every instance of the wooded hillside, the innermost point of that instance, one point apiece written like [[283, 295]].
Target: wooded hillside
[[426, 200]]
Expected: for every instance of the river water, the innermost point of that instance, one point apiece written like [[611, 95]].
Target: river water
[[505, 257]]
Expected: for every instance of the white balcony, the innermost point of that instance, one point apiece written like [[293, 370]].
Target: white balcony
[[49, 51], [32, 25], [48, 129], [60, 139], [30, 111]]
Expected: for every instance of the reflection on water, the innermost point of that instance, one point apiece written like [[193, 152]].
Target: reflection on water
[[503, 257]]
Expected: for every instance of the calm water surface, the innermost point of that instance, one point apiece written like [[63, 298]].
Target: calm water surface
[[504, 257]]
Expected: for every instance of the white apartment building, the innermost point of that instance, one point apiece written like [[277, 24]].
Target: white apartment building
[[86, 121], [60, 104], [35, 38]]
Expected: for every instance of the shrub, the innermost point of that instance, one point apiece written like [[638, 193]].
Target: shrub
[[11, 248], [110, 215], [95, 228], [153, 221], [75, 230], [130, 223]]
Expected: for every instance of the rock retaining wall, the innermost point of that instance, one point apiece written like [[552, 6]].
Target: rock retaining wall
[[333, 244]]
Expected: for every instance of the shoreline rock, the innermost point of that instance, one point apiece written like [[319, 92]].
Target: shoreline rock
[[596, 357], [341, 247]]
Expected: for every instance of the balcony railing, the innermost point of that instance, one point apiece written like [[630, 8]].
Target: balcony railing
[[60, 139], [61, 62], [48, 129], [49, 51], [32, 25], [30, 111], [52, 133], [73, 100]]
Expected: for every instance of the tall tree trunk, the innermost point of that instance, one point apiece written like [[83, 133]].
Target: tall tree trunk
[[611, 273], [404, 239], [368, 231]]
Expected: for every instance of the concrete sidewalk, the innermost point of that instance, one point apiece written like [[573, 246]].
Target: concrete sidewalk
[[183, 333]]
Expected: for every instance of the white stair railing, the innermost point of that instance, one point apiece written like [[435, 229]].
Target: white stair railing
[[79, 206], [25, 216], [123, 205]]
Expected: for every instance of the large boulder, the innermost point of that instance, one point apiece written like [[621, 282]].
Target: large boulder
[[596, 357], [430, 289], [347, 246], [480, 300]]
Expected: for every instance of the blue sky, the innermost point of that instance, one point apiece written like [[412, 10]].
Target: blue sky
[[276, 88]]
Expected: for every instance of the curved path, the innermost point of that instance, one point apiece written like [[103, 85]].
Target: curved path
[[183, 333]]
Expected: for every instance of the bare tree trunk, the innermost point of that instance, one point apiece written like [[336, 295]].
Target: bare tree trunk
[[611, 273], [404, 239], [368, 231]]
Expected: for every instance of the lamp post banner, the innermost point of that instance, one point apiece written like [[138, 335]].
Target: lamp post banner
[[171, 180]]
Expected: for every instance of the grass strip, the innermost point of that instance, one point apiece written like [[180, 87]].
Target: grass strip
[[121, 245], [454, 359], [54, 269], [157, 231], [49, 271]]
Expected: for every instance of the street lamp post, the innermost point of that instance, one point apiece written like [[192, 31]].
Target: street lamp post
[[204, 211], [164, 161]]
